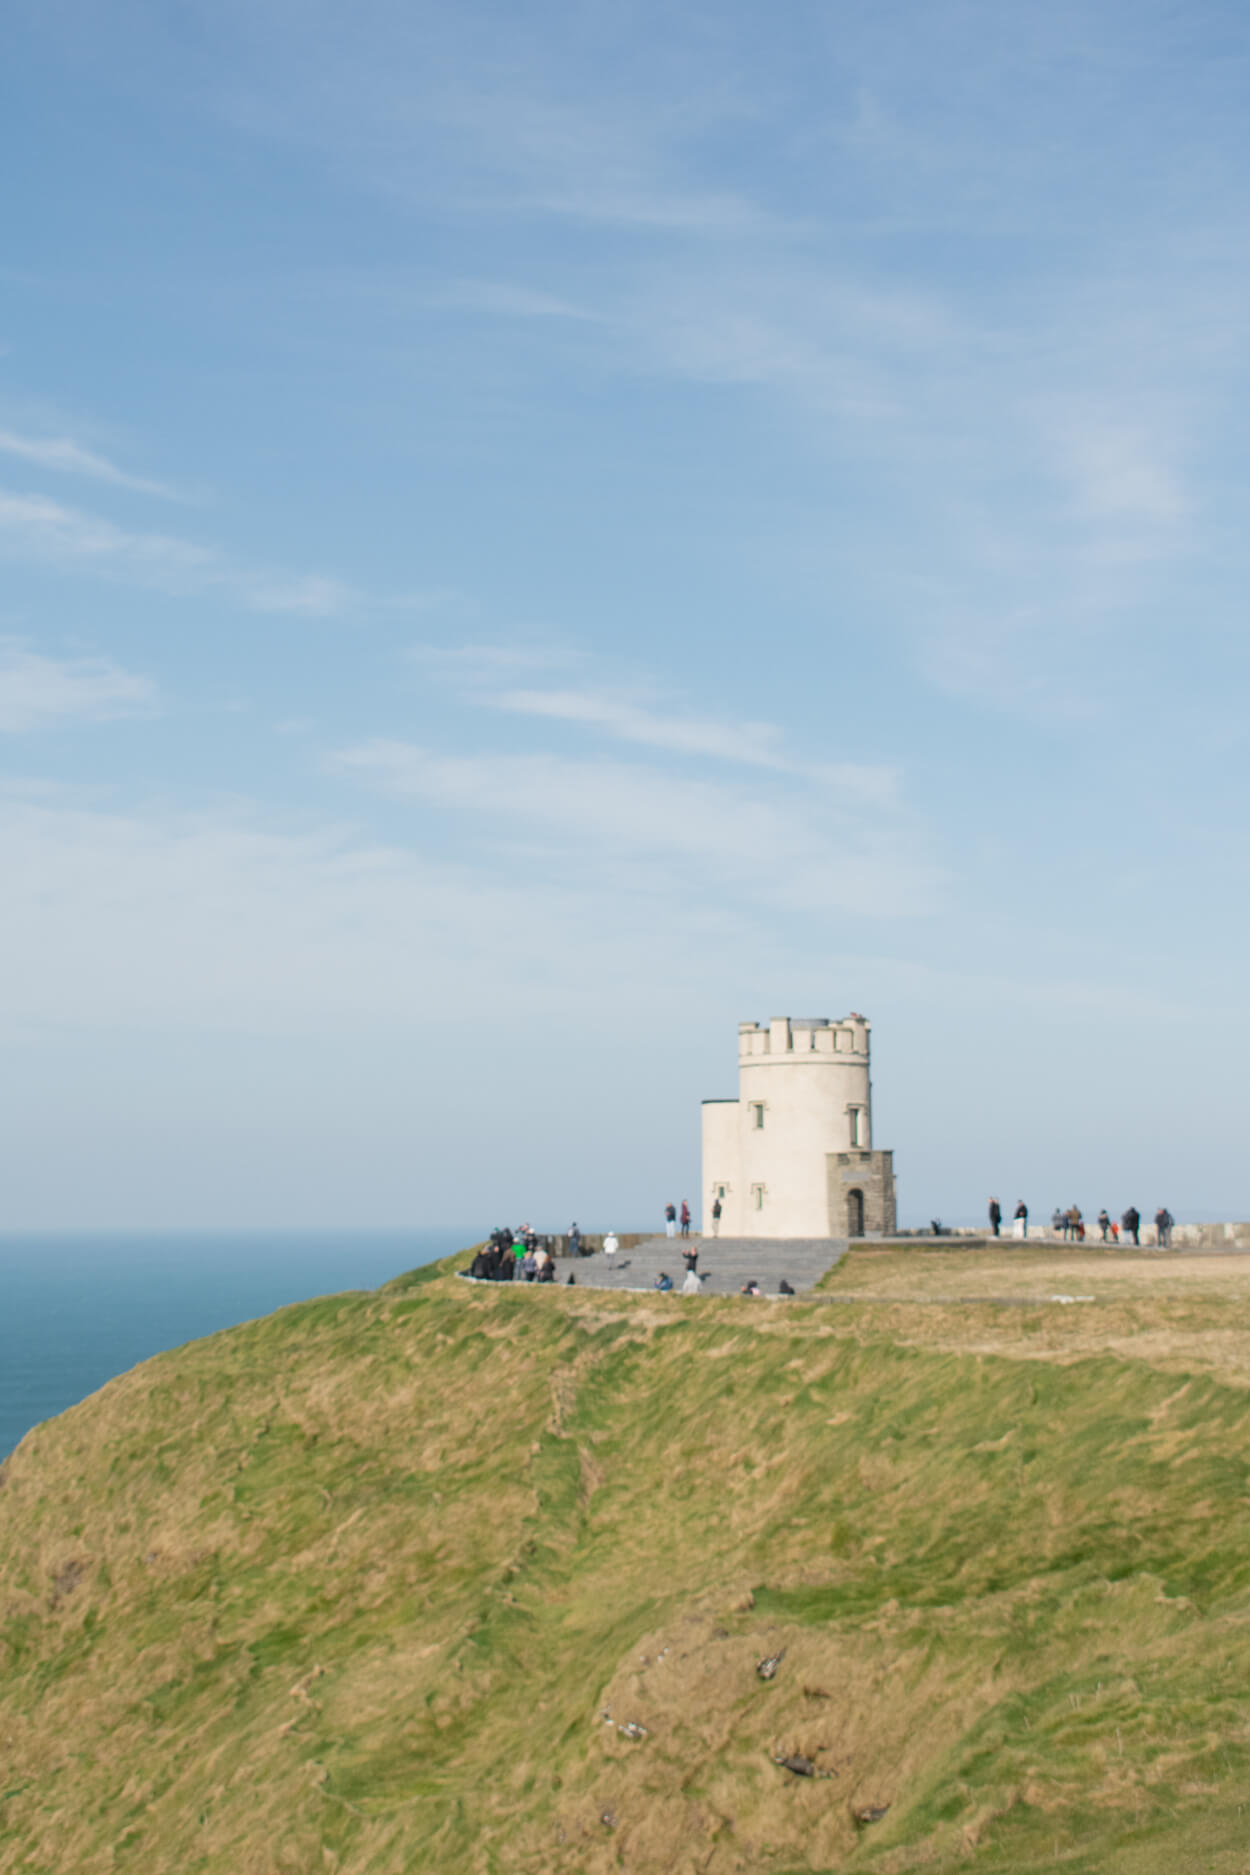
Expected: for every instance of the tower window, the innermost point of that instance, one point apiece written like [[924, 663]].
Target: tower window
[[757, 1115], [757, 1197], [854, 1119]]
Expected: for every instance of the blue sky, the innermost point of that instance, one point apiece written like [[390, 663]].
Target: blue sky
[[531, 535]]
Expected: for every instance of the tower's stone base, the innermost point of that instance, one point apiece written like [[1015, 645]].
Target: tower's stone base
[[862, 1200]]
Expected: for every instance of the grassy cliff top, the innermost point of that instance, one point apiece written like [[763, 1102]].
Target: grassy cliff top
[[375, 1584]]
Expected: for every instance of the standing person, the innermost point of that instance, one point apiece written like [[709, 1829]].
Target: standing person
[[1075, 1223], [611, 1244], [996, 1215], [1020, 1227], [1163, 1227], [575, 1240], [1059, 1223], [690, 1256], [1104, 1223], [1131, 1222], [670, 1220], [716, 1208], [685, 1218]]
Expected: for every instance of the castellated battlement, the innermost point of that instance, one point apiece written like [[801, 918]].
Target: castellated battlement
[[804, 1035]]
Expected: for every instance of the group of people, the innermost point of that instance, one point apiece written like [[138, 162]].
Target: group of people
[[671, 1219], [514, 1256], [1070, 1225]]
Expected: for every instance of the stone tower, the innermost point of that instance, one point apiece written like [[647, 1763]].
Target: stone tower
[[793, 1155]]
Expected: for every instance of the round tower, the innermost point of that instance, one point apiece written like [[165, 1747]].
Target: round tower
[[793, 1155]]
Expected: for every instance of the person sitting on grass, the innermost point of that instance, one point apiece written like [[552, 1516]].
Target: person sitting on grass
[[663, 1282]]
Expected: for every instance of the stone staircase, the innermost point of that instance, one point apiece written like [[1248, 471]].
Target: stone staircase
[[725, 1263]]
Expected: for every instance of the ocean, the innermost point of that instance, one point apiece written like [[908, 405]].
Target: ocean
[[78, 1308]]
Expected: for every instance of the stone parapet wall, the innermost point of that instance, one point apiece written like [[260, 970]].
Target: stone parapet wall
[[1209, 1236]]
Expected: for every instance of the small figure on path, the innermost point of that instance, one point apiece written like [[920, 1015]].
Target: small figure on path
[[575, 1240], [685, 1218], [670, 1220], [1131, 1223], [1021, 1226], [716, 1209], [663, 1282], [750, 1288], [1104, 1223], [691, 1257], [611, 1244], [996, 1215], [783, 1288], [1059, 1222], [1163, 1227], [692, 1286]]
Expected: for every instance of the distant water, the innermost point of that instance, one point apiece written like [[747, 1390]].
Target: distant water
[[77, 1309]]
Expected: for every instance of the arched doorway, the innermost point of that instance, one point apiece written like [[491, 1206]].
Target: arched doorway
[[855, 1213]]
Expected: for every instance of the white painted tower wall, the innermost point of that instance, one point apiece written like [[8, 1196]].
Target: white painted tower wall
[[804, 1091]]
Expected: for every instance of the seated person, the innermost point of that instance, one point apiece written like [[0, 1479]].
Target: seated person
[[692, 1286], [751, 1288], [663, 1282]]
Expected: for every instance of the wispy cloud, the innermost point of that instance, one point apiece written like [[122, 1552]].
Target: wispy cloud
[[65, 457], [33, 527], [646, 828], [659, 724], [1124, 473], [654, 726], [508, 300], [38, 692]]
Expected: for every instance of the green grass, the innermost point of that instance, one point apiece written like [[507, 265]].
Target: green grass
[[352, 1587]]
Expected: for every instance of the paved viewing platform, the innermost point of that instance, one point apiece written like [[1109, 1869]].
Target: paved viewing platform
[[725, 1263]]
